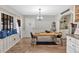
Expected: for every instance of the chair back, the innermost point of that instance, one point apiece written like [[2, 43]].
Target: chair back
[[31, 34]]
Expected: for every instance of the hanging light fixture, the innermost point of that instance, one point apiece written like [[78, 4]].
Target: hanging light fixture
[[39, 16]]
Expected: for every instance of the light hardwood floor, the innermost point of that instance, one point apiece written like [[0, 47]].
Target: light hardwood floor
[[24, 46]]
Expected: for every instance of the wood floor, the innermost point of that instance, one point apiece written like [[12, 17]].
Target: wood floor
[[24, 46]]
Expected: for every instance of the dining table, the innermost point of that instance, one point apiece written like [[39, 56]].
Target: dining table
[[52, 34]]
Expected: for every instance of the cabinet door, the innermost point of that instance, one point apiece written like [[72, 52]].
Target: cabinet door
[[13, 39], [77, 42], [6, 44], [77, 46], [71, 50], [10, 41], [67, 44], [71, 44], [1, 45], [68, 40], [77, 49]]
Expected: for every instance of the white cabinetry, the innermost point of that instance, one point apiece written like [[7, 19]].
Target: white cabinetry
[[8, 42], [1, 45], [77, 46], [72, 45]]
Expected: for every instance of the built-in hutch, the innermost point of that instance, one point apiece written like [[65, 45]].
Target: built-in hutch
[[8, 32]]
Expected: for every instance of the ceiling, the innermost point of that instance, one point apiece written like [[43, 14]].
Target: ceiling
[[45, 9]]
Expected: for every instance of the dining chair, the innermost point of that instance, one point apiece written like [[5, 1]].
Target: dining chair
[[34, 38], [60, 37]]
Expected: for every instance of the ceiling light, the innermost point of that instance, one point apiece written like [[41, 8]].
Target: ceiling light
[[39, 16]]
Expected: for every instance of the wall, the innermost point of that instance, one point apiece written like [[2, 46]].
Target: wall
[[34, 25], [58, 18]]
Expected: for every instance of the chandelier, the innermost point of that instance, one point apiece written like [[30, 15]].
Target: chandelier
[[39, 16]]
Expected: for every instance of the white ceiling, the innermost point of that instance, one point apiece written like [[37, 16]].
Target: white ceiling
[[45, 9]]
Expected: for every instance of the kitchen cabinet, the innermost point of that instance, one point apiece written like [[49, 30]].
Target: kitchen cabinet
[[72, 44], [8, 42]]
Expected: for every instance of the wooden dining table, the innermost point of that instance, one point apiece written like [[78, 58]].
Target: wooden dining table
[[47, 34], [52, 34]]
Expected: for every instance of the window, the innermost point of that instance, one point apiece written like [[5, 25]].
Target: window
[[7, 21]]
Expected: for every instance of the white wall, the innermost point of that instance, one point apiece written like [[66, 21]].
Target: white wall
[[29, 22], [34, 25]]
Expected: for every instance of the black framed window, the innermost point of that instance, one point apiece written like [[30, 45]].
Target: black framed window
[[6, 21]]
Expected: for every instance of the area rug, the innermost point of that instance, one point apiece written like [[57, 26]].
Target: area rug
[[45, 43]]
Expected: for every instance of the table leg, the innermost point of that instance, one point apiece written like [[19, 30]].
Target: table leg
[[33, 42], [61, 39]]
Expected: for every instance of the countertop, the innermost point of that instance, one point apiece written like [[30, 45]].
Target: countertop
[[73, 35]]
